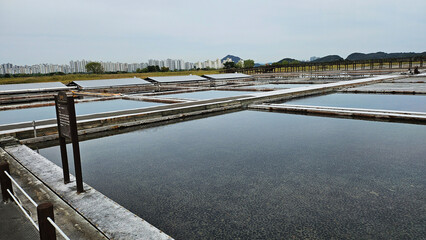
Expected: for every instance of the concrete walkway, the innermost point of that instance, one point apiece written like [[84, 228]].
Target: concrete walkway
[[72, 223], [14, 224], [376, 114], [113, 220]]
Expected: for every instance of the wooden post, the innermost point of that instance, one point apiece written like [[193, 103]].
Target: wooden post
[[5, 181], [75, 146], [47, 231]]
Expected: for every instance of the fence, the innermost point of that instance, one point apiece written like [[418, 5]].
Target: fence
[[377, 64], [46, 222]]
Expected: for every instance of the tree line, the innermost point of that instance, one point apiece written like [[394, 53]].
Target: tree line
[[249, 63], [96, 67]]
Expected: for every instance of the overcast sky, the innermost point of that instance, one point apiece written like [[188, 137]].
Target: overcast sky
[[56, 31]]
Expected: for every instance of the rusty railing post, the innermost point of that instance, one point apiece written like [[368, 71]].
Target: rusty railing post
[[5, 181], [47, 231]]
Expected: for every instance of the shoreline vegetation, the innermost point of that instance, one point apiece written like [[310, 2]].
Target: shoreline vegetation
[[67, 78]]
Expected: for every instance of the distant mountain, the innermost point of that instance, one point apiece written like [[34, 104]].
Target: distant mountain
[[382, 55], [329, 58], [235, 59], [289, 60], [358, 56]]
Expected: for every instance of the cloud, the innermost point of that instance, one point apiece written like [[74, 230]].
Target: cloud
[[58, 31]]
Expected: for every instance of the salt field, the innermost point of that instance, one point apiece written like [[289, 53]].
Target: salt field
[[40, 113], [227, 166], [414, 103], [208, 94], [263, 175], [289, 85], [204, 126]]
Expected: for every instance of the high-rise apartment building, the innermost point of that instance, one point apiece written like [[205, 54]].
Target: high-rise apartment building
[[79, 66]]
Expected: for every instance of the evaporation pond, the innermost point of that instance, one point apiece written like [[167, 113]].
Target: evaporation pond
[[265, 175], [280, 86], [39, 113], [201, 95], [412, 103]]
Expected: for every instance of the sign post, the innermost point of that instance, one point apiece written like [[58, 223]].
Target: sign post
[[67, 129]]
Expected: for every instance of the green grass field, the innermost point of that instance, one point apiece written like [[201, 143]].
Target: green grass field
[[72, 77]]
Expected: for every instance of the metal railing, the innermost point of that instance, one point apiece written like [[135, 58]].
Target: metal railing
[[19, 187], [46, 225], [57, 228], [23, 210]]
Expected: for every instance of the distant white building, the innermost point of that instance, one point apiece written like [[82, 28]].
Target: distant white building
[[189, 65], [79, 66], [241, 63], [227, 60], [217, 64]]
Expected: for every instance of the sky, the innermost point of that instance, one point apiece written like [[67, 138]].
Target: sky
[[57, 31]]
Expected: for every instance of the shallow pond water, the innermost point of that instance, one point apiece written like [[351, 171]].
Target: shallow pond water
[[264, 175], [413, 103]]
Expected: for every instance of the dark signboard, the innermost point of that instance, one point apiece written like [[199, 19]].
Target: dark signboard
[[67, 129], [63, 115]]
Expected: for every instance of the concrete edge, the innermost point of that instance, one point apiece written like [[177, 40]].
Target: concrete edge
[[407, 117], [71, 222]]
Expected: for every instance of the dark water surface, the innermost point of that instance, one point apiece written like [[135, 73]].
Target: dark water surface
[[412, 103], [201, 95], [40, 113], [264, 175]]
